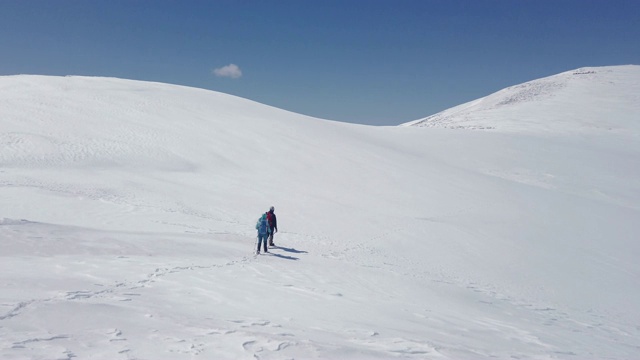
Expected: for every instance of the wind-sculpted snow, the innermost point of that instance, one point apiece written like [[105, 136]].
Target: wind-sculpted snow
[[128, 213]]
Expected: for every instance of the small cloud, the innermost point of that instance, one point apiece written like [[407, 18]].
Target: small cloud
[[230, 71]]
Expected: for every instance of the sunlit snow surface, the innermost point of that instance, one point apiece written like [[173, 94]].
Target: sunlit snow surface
[[503, 228]]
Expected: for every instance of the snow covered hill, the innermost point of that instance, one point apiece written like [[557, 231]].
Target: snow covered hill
[[128, 209], [585, 100]]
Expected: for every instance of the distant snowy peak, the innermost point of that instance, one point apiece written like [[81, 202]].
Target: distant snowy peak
[[567, 102]]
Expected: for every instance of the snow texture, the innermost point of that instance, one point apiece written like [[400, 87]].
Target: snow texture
[[128, 213]]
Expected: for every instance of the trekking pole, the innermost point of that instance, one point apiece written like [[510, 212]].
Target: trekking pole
[[256, 245]]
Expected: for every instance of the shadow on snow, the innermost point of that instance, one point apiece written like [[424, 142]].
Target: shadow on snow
[[284, 256], [291, 250]]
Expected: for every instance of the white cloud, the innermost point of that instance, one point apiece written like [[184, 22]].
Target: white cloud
[[230, 71]]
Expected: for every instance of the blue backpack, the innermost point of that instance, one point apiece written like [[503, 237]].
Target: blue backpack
[[262, 225]]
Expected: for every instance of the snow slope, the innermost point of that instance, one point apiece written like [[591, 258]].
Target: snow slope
[[128, 213], [584, 100]]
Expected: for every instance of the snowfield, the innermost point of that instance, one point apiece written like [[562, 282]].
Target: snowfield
[[503, 228]]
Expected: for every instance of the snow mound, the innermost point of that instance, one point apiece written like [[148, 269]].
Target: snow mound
[[592, 99]]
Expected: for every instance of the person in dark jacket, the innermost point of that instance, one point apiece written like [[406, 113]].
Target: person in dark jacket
[[273, 225]]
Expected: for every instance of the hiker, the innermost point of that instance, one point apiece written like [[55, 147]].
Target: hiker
[[273, 225], [263, 232]]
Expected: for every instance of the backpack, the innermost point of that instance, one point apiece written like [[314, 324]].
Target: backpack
[[262, 225], [270, 218]]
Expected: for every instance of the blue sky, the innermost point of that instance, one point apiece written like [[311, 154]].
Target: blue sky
[[378, 62]]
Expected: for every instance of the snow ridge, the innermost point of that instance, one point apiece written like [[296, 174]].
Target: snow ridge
[[541, 105]]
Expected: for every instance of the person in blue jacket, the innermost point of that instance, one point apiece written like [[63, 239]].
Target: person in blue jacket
[[263, 232]]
